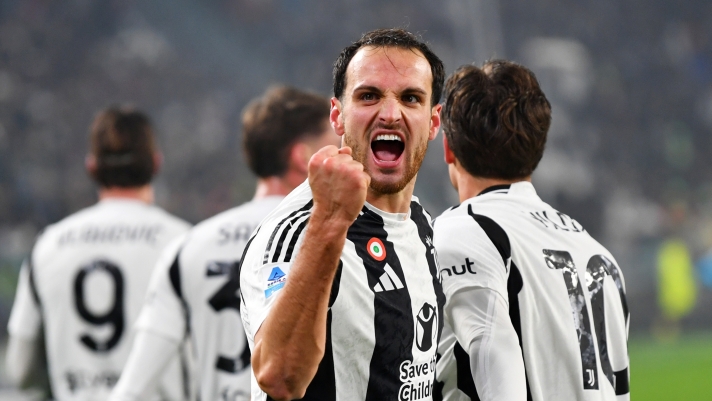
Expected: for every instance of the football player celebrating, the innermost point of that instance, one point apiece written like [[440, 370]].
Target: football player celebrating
[[536, 306], [339, 284], [194, 291], [87, 275]]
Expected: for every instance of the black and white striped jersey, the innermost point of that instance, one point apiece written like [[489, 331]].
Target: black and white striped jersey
[[562, 290], [85, 282], [384, 314], [194, 291]]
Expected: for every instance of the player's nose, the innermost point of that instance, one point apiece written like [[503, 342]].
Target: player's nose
[[390, 110]]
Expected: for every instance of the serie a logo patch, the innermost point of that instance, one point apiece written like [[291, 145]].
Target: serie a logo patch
[[376, 249]]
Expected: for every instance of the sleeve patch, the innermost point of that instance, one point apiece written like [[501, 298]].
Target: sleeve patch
[[274, 277]]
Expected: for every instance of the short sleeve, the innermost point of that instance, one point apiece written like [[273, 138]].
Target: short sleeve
[[261, 286], [25, 318], [264, 273], [163, 312], [468, 256]]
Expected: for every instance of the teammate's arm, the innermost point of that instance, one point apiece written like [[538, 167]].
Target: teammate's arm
[[480, 320], [150, 354], [20, 360], [290, 342], [24, 328], [474, 273]]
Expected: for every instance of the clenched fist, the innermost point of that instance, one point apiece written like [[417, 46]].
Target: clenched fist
[[338, 184]]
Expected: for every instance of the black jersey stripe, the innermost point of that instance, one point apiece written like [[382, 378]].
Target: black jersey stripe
[[465, 380], [323, 385], [495, 233], [33, 282], [493, 188], [515, 283], [174, 275], [622, 382], [238, 267], [289, 228], [306, 207], [393, 322], [295, 237], [425, 232]]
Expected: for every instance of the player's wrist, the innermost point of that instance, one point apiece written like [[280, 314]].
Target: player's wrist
[[330, 223]]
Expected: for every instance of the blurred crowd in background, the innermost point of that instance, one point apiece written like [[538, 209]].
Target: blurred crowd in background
[[630, 84]]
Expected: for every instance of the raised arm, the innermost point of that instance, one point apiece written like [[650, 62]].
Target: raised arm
[[290, 343]]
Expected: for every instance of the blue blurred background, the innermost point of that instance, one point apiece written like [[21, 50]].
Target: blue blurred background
[[630, 82]]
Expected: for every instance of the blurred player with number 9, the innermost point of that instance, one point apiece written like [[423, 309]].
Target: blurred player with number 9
[[87, 275]]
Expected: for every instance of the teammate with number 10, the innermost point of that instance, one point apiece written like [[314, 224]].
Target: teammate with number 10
[[87, 275], [536, 308], [194, 291]]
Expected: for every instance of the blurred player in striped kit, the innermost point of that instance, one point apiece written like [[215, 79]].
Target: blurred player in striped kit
[[194, 291], [87, 275]]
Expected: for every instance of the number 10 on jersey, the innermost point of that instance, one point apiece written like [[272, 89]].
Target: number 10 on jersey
[[597, 268]]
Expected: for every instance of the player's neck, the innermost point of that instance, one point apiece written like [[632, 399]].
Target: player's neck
[[143, 193], [469, 186], [276, 186], [392, 203]]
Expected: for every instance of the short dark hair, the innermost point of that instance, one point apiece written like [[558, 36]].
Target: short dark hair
[[394, 37], [496, 119], [121, 141], [275, 121]]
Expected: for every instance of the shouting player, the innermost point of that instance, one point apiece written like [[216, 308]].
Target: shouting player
[[87, 275], [339, 285], [194, 291], [537, 306]]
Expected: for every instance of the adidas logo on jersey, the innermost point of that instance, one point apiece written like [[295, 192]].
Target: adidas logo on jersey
[[389, 281]]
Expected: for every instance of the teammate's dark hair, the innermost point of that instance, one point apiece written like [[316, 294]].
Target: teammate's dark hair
[[272, 123], [496, 119], [122, 142], [389, 38]]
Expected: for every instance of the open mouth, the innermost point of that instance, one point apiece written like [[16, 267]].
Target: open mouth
[[387, 148]]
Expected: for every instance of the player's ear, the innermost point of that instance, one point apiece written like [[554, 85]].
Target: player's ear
[[299, 156], [435, 121], [336, 118], [90, 164], [449, 155], [157, 162]]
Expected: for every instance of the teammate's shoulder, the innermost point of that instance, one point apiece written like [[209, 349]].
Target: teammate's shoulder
[[69, 222], [450, 216], [300, 200]]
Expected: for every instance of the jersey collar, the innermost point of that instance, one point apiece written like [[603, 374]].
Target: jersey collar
[[518, 188], [499, 188]]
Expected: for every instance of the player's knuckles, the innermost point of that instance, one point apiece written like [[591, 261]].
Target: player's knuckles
[[322, 155]]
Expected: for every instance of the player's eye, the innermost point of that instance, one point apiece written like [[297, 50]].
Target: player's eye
[[411, 99], [368, 97]]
